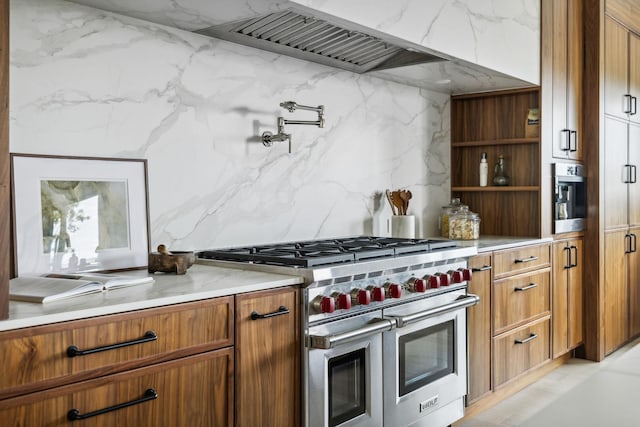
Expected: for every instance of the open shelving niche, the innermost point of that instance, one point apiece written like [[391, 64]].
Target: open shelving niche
[[495, 123]]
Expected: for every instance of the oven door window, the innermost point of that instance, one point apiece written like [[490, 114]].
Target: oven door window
[[426, 356], [347, 387]]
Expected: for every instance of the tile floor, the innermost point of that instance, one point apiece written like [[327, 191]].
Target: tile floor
[[578, 394]]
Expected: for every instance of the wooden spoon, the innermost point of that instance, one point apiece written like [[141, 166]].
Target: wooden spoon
[[390, 199], [405, 196], [397, 201]]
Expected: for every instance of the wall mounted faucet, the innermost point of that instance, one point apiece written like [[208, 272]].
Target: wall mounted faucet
[[268, 138]]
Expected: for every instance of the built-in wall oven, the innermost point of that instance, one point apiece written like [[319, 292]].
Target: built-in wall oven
[[384, 334], [569, 197]]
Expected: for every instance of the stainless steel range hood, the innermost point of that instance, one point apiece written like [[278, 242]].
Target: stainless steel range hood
[[306, 37]]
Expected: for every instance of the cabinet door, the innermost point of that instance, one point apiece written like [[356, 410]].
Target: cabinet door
[[575, 295], [615, 188], [616, 312], [634, 187], [479, 329], [191, 391], [574, 76], [559, 313], [634, 285], [267, 359], [560, 80], [634, 74], [616, 65]]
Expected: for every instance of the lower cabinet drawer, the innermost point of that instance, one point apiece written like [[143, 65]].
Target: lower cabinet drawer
[[39, 357], [518, 351], [192, 391], [520, 299]]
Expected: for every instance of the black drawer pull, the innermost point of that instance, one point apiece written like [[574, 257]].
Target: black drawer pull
[[526, 340], [531, 258], [74, 414], [526, 288], [282, 310], [483, 268], [73, 351]]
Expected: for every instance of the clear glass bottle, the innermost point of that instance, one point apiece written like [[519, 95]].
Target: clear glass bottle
[[500, 177]]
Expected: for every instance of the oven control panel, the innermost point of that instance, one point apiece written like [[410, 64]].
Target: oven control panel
[[383, 289]]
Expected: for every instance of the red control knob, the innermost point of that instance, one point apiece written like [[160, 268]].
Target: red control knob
[[377, 293], [456, 276], [466, 273], [361, 296], [445, 279], [344, 301], [417, 285], [393, 290], [324, 304], [432, 281]]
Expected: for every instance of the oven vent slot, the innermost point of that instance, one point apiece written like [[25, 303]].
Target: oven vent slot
[[306, 37]]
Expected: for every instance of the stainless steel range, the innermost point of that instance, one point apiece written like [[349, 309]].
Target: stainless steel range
[[384, 322]]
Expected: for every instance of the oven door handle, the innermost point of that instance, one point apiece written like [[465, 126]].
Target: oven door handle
[[461, 302], [326, 342]]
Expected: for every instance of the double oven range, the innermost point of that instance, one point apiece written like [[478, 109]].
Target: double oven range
[[384, 323]]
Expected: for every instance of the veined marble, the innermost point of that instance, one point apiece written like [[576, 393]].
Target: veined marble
[[85, 82]]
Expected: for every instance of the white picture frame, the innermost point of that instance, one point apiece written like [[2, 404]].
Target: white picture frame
[[73, 214]]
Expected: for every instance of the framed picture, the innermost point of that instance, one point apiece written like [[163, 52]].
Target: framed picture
[[73, 214]]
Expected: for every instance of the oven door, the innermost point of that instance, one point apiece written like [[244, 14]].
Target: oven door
[[425, 377], [344, 372]]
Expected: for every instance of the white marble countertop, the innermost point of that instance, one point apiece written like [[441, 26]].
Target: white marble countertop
[[494, 243], [200, 282]]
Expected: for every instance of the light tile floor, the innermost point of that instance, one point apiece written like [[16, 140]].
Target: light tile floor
[[578, 394]]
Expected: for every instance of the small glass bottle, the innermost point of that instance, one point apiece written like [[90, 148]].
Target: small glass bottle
[[500, 177], [484, 170]]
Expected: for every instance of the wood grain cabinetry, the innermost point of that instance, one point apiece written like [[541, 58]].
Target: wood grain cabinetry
[[616, 302], [183, 352], [479, 329], [567, 311], [495, 123], [521, 311], [191, 391], [565, 20], [267, 359]]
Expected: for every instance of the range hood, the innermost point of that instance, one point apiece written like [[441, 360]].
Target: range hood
[[313, 39]]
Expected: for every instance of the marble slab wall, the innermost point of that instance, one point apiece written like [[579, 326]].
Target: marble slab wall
[[90, 83]]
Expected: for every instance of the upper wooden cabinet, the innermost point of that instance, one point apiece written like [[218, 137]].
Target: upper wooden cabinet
[[566, 58], [5, 233], [496, 123]]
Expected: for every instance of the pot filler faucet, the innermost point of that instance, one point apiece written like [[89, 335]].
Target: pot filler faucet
[[268, 138]]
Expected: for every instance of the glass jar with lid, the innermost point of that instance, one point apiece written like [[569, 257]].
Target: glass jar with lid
[[445, 214], [464, 225]]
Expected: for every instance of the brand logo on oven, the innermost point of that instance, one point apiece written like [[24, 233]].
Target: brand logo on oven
[[429, 404]]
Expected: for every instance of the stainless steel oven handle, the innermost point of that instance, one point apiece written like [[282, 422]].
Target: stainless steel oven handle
[[462, 302], [326, 342]]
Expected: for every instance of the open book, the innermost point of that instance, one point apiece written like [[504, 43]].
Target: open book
[[53, 287]]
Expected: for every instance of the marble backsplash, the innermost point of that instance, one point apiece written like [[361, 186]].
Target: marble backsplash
[[90, 83]]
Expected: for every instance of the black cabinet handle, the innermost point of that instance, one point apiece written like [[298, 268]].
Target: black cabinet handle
[[281, 310], [75, 415], [634, 106], [573, 250], [526, 288], [632, 241], [628, 180], [565, 143], [73, 351], [627, 243], [531, 258], [526, 340], [573, 147], [483, 268], [633, 175], [629, 99], [568, 252]]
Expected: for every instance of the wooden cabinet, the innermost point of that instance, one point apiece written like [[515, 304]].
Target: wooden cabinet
[[567, 311], [495, 123], [616, 306], [5, 198], [633, 261], [183, 352], [267, 362], [191, 391], [479, 329], [565, 20], [521, 310]]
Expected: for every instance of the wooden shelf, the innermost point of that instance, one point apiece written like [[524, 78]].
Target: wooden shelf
[[493, 188], [512, 141]]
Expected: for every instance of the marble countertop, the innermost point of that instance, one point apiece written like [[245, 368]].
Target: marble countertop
[[494, 243], [200, 282]]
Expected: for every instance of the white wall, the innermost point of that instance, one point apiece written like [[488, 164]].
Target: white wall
[[89, 83]]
